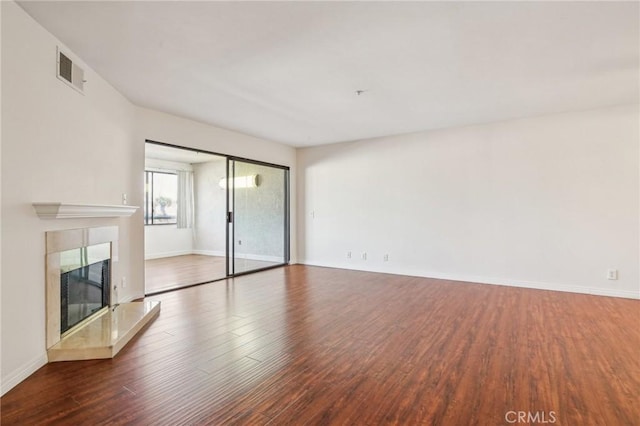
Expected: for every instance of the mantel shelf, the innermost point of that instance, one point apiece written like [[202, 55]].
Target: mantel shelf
[[79, 211]]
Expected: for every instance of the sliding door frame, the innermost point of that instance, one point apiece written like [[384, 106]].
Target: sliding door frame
[[231, 215], [287, 210]]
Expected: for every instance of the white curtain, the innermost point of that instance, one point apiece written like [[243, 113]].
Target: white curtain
[[185, 199]]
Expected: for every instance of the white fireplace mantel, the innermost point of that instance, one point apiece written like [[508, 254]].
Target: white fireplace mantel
[[76, 211]]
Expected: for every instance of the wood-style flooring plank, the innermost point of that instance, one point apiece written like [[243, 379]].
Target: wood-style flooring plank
[[309, 345]]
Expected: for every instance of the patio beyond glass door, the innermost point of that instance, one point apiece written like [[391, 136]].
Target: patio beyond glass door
[[258, 216]]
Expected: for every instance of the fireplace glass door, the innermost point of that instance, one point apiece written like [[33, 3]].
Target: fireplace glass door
[[85, 277]]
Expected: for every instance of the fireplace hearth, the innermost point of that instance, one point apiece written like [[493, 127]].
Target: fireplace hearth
[[84, 319]]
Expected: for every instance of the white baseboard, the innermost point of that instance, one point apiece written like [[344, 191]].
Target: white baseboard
[[219, 253], [22, 373], [489, 280], [167, 254], [275, 259], [130, 299], [243, 256]]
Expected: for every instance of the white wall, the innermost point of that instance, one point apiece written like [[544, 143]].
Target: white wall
[[211, 208], [548, 202], [161, 127], [166, 241], [58, 145]]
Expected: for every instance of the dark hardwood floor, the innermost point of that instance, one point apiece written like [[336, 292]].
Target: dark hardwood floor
[[307, 345]]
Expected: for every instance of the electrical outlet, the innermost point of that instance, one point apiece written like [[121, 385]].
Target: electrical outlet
[[364, 255], [612, 274], [123, 282], [386, 258], [348, 255], [124, 198]]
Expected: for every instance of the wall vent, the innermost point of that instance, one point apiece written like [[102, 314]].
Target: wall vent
[[69, 72]]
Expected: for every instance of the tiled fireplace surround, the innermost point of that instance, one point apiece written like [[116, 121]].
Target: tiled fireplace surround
[[104, 333]]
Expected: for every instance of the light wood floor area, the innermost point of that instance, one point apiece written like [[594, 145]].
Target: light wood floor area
[[169, 273], [179, 271], [318, 346]]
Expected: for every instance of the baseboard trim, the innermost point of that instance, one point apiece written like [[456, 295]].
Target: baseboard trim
[[209, 252], [130, 299], [167, 254], [246, 256], [567, 288], [274, 259], [213, 253], [22, 373]]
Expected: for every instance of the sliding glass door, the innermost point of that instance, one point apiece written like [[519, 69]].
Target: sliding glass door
[[211, 216], [258, 200]]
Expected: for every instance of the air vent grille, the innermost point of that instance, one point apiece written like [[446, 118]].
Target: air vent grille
[[69, 72]]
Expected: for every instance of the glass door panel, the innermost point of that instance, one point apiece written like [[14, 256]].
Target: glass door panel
[[258, 201], [184, 214]]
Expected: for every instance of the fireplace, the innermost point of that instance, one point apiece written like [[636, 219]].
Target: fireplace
[[79, 263], [84, 318], [85, 283]]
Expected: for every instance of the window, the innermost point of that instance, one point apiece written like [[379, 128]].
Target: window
[[160, 198]]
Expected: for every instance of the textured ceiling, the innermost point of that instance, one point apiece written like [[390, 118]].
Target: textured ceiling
[[289, 71]]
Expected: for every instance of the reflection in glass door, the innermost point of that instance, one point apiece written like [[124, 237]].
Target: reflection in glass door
[[184, 216], [258, 216]]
